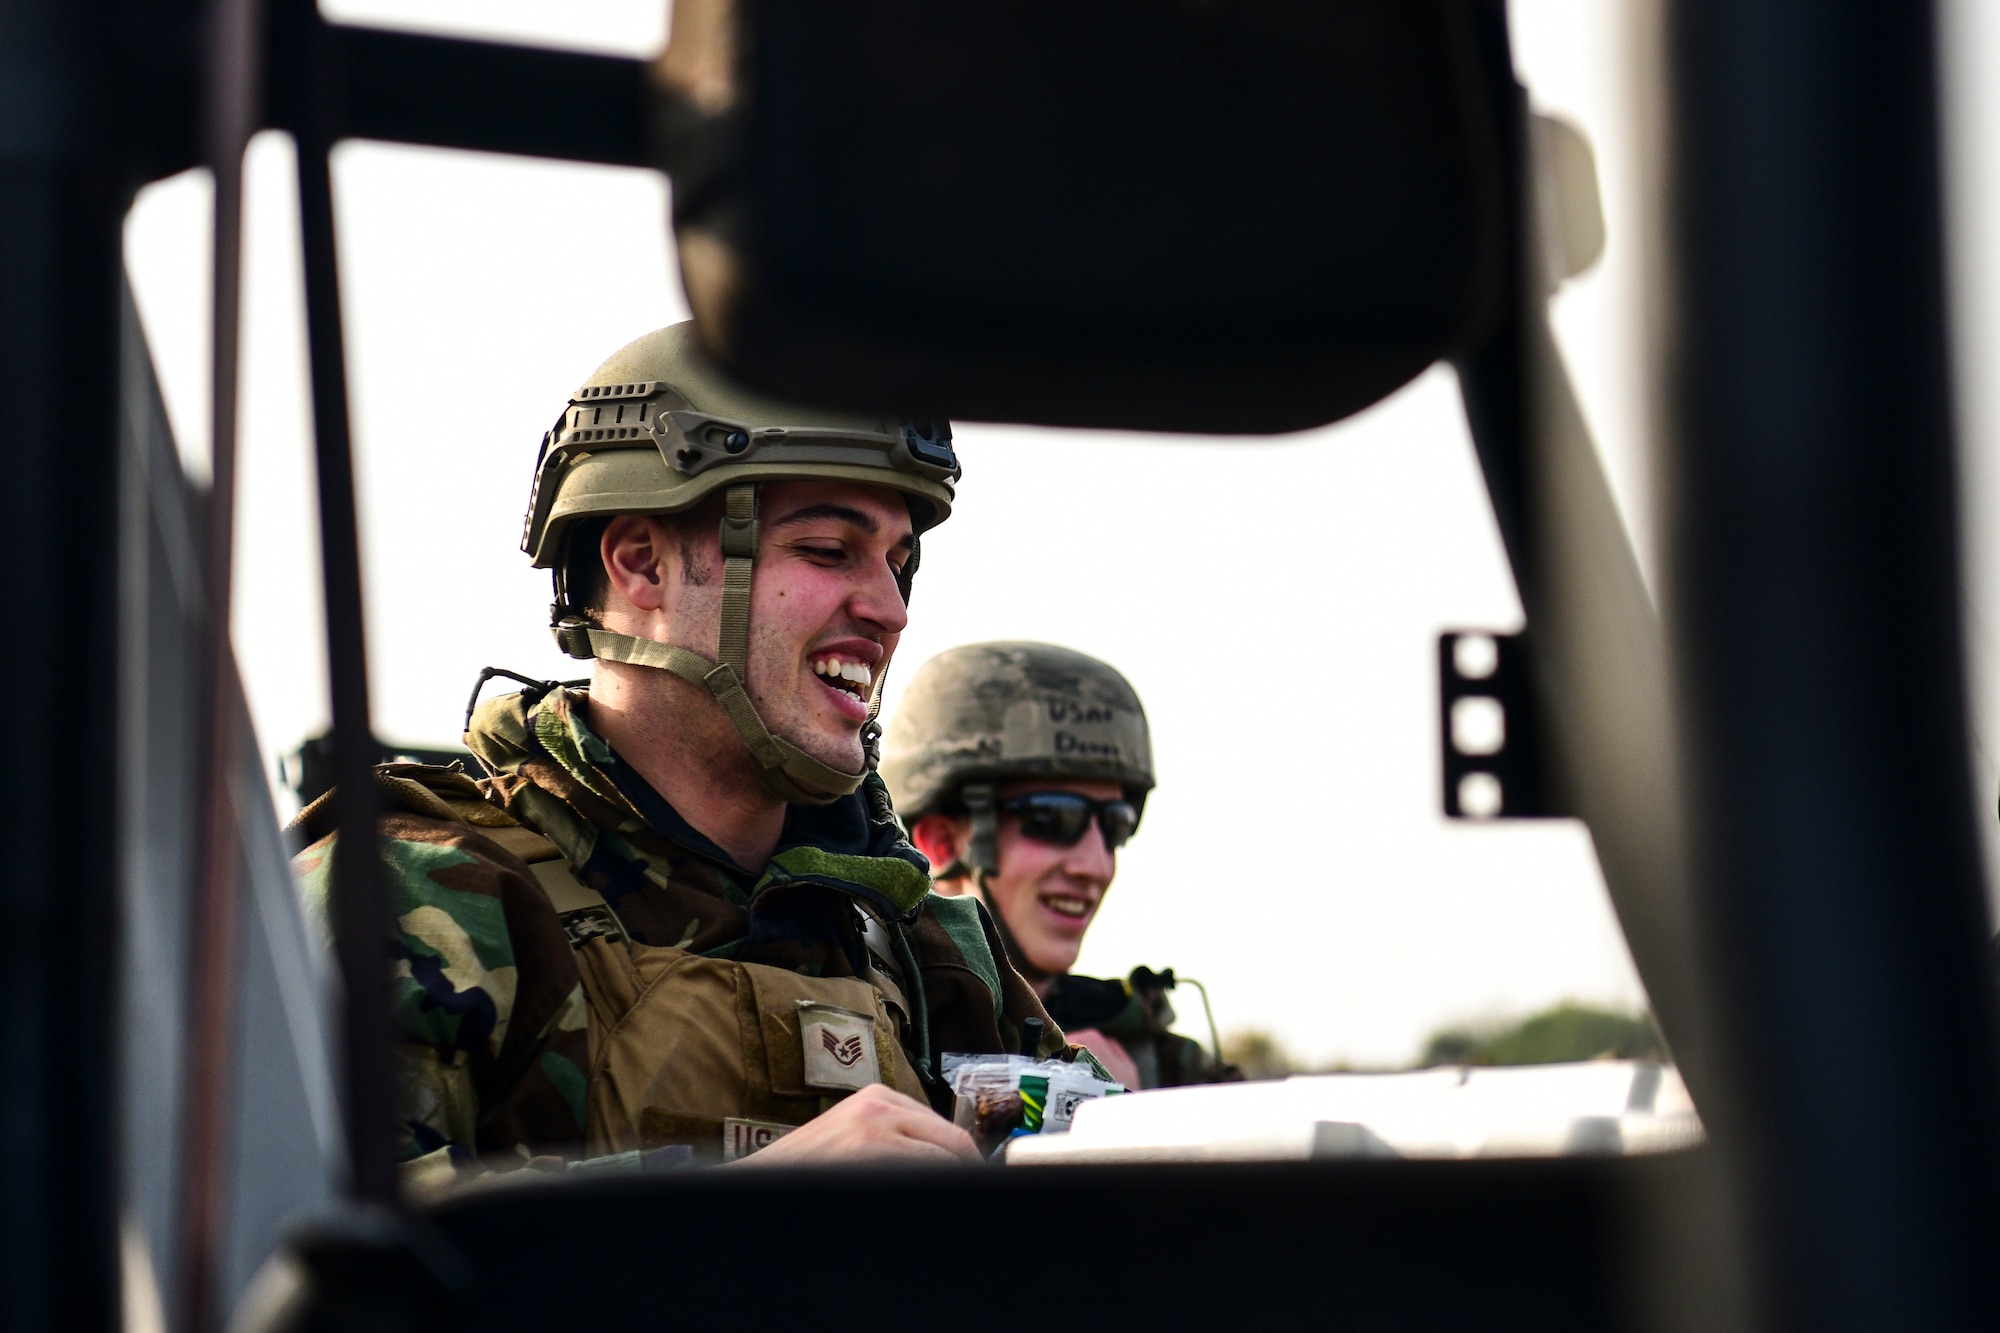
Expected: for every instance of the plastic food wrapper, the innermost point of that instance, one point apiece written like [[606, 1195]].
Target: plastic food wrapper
[[1001, 1097]]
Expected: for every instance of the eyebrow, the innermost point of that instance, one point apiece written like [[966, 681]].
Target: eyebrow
[[839, 514]]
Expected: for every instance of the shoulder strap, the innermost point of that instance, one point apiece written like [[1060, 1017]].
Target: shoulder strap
[[584, 914], [610, 982]]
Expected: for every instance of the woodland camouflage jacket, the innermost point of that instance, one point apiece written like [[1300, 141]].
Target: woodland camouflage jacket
[[487, 1001]]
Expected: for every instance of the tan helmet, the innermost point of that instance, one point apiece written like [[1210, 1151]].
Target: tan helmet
[[987, 713], [657, 430]]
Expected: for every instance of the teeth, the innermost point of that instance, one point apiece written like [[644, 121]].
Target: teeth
[[1069, 906], [833, 667]]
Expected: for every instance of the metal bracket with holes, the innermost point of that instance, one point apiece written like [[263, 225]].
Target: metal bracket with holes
[[1489, 730]]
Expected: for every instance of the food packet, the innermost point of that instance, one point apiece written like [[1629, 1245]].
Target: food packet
[[953, 1063], [1069, 1088], [1034, 1089], [988, 1105], [1004, 1096]]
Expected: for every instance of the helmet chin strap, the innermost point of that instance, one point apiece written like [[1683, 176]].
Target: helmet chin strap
[[980, 858], [786, 771]]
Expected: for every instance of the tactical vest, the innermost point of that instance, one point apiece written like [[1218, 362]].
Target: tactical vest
[[718, 1056]]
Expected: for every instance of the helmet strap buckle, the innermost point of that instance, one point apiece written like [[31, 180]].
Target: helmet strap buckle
[[982, 850], [573, 638], [739, 536]]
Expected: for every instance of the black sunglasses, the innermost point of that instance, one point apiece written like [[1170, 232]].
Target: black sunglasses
[[1060, 818]]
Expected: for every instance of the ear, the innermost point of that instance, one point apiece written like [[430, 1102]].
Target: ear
[[635, 552], [940, 838]]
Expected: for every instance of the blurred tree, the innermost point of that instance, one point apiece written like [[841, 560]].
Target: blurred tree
[[1454, 1046], [1566, 1032], [1259, 1054]]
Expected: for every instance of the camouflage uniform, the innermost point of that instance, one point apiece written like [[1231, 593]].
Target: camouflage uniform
[[578, 970], [490, 1012]]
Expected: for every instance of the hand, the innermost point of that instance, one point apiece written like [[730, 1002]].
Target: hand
[[1110, 1053], [876, 1124]]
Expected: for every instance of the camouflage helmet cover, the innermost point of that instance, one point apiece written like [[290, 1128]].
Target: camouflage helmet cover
[[658, 428], [1007, 711]]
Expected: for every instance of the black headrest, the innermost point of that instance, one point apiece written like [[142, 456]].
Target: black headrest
[[1200, 215]]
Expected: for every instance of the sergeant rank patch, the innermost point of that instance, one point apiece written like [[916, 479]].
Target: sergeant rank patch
[[839, 1047]]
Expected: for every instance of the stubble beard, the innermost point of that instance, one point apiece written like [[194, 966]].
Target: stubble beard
[[790, 711]]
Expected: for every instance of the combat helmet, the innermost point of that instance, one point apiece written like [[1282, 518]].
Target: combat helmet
[[658, 429], [988, 713]]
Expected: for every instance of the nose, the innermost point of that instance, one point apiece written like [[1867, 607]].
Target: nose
[[1090, 859], [878, 601]]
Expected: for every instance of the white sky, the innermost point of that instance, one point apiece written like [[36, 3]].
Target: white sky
[[1276, 603]]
